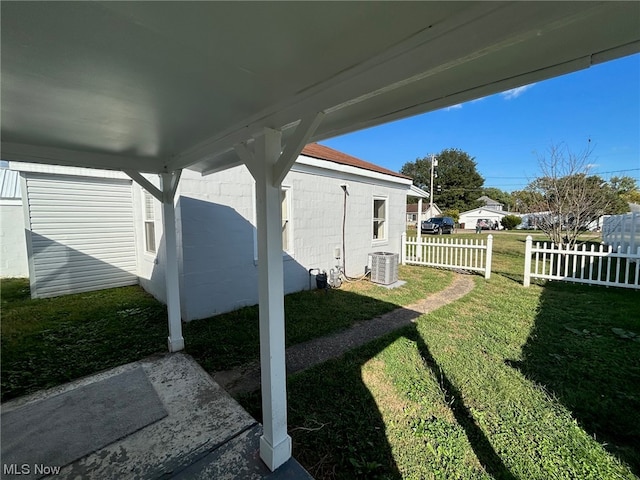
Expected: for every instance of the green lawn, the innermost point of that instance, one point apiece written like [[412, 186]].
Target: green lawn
[[232, 339], [46, 342], [508, 382]]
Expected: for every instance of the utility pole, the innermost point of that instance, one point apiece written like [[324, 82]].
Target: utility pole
[[434, 163]]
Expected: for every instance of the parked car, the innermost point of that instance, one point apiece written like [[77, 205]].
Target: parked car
[[438, 225], [484, 224]]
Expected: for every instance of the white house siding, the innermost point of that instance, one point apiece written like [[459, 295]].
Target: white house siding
[[150, 266], [216, 232], [80, 234], [216, 242], [215, 224], [13, 250], [318, 212]]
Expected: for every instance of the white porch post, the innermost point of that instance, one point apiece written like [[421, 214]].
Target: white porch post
[[275, 443], [169, 184], [269, 164], [419, 231]]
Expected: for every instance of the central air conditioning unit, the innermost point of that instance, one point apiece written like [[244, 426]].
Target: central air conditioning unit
[[384, 267]]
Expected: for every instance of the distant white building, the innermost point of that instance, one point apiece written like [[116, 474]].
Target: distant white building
[[93, 229], [427, 212], [486, 216]]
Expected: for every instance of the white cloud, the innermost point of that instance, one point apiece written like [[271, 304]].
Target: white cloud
[[454, 107], [516, 92]]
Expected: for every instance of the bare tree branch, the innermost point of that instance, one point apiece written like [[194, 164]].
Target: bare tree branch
[[565, 200]]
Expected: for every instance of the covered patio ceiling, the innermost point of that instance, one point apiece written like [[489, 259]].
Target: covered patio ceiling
[[159, 86]]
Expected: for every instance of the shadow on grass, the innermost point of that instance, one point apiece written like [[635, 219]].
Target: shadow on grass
[[514, 277], [480, 444], [574, 352], [232, 339], [337, 428]]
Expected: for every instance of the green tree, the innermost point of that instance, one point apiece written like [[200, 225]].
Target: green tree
[[453, 213], [618, 201], [456, 174], [509, 222], [420, 171], [523, 199], [626, 188]]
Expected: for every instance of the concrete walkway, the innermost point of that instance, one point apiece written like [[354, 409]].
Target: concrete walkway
[[305, 355]]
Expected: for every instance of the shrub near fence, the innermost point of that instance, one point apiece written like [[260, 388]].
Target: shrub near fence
[[454, 253], [602, 266]]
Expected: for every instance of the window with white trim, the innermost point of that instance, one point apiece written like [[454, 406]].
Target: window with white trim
[[148, 216], [287, 222], [379, 218], [287, 241]]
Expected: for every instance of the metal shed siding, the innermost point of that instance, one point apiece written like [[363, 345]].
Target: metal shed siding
[[80, 234], [9, 184]]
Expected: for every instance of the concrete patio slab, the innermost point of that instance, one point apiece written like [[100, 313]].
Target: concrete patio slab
[[205, 433], [239, 458], [80, 421]]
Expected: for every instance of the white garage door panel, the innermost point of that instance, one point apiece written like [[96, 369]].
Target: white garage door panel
[[78, 260], [65, 248], [98, 223], [69, 286], [82, 234], [86, 208], [75, 242]]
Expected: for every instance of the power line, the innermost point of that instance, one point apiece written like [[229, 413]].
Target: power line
[[510, 178], [619, 171], [610, 171]]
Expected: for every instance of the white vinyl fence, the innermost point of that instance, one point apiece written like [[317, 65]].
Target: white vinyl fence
[[602, 266], [455, 253], [622, 230]]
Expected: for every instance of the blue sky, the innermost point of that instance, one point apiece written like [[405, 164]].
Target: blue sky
[[507, 132]]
